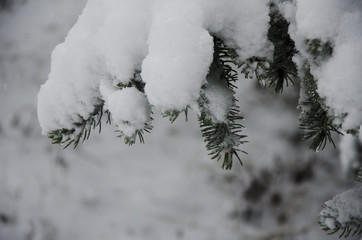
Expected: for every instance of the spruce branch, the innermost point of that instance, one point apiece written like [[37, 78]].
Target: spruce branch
[[136, 81], [173, 114], [81, 130], [130, 140], [225, 58], [319, 50], [222, 137], [282, 69], [343, 213], [314, 117], [255, 67]]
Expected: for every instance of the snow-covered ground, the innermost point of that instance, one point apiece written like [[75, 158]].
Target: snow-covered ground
[[165, 189]]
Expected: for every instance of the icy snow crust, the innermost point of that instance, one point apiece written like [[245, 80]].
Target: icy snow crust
[[168, 40]]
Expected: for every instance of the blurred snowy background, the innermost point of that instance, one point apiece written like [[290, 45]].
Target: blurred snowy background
[[165, 189]]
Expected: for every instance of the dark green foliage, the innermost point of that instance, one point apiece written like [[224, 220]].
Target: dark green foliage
[[353, 132], [222, 138], [82, 128], [225, 58], [282, 68], [136, 81], [255, 67], [314, 117], [318, 50]]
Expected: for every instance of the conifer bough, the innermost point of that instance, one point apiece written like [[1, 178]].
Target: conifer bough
[[148, 68]]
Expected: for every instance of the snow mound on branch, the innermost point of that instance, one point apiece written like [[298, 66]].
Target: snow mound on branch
[[170, 41], [129, 107], [344, 209]]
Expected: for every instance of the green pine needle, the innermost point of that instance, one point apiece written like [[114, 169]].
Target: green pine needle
[[136, 81], [222, 138], [130, 140], [353, 226], [282, 69], [173, 114], [83, 128], [314, 118]]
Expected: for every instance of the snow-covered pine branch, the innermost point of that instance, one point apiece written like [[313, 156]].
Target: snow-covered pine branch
[[343, 213], [127, 58]]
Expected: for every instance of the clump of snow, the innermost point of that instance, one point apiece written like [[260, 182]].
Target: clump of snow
[[180, 53], [129, 107], [121, 42], [344, 209], [67, 96], [242, 23]]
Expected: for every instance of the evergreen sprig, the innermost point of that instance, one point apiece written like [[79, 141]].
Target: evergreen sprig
[[282, 69], [173, 114], [319, 50], [136, 81], [130, 140], [222, 137], [353, 226], [225, 58], [82, 128], [314, 117], [255, 67]]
